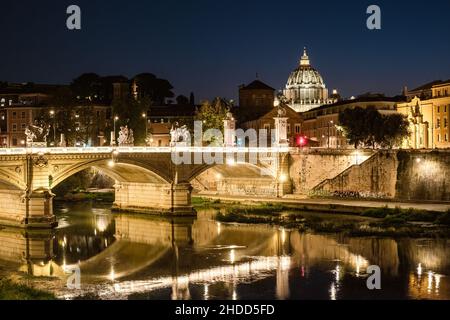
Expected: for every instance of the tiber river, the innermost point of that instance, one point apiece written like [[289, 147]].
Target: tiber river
[[142, 257]]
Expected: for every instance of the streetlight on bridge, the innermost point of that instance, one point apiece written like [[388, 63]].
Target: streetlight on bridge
[[52, 115], [144, 116], [329, 126], [113, 140]]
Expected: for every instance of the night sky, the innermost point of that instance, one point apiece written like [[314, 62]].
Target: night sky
[[210, 47]]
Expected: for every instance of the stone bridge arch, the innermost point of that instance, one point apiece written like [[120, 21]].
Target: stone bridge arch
[[12, 178], [144, 184], [127, 170], [264, 178]]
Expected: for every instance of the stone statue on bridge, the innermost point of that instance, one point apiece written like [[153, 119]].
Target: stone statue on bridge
[[37, 134], [126, 137], [179, 135]]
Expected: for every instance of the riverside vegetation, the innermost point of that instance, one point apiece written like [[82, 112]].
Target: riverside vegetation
[[10, 290], [395, 222]]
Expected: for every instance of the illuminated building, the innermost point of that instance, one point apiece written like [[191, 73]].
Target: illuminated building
[[305, 88], [322, 124], [22, 104], [428, 118]]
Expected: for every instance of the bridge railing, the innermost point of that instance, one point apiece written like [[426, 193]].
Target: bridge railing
[[106, 150]]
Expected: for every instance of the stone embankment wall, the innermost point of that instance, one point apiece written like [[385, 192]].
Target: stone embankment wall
[[310, 168], [399, 174], [423, 175]]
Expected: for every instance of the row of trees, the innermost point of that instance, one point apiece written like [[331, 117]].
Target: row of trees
[[74, 116], [92, 87], [369, 128]]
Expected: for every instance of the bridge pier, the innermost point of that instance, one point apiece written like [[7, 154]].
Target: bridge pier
[[154, 198], [39, 209], [27, 210]]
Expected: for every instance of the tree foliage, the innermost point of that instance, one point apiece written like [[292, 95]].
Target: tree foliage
[[182, 100], [212, 115], [369, 128], [155, 88]]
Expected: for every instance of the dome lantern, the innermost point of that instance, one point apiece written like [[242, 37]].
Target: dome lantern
[[304, 60]]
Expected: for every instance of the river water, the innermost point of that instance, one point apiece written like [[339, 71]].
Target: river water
[[140, 257]]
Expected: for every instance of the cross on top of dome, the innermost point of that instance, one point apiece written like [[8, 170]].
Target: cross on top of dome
[[304, 60]]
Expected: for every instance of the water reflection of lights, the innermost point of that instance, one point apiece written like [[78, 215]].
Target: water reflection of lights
[[256, 269], [283, 236], [206, 292], [360, 263], [219, 229], [112, 274], [335, 283], [333, 292], [437, 279], [102, 222], [234, 297], [232, 256], [337, 273], [419, 270], [431, 283], [285, 263]]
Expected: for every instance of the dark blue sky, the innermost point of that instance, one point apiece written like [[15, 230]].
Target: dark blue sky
[[211, 46]]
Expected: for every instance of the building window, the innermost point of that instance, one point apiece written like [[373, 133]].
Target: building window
[[446, 138], [23, 126], [288, 128], [438, 123], [14, 141], [445, 123], [438, 109], [14, 115], [438, 138], [14, 127], [23, 114], [297, 128]]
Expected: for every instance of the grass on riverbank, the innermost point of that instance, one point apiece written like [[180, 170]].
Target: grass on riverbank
[[199, 202], [15, 291], [83, 196], [384, 221]]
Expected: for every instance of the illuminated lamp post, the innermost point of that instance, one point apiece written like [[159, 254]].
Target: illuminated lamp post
[[144, 116], [329, 126], [113, 138], [52, 115]]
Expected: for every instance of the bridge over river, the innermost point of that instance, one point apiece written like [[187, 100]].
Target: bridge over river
[[148, 179]]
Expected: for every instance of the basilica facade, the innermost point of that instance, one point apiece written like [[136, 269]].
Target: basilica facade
[[305, 88]]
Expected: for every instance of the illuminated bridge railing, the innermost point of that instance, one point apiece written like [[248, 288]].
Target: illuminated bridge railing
[[106, 150]]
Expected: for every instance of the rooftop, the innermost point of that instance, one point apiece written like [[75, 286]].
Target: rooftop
[[24, 88], [359, 100], [429, 85], [174, 110], [257, 85]]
